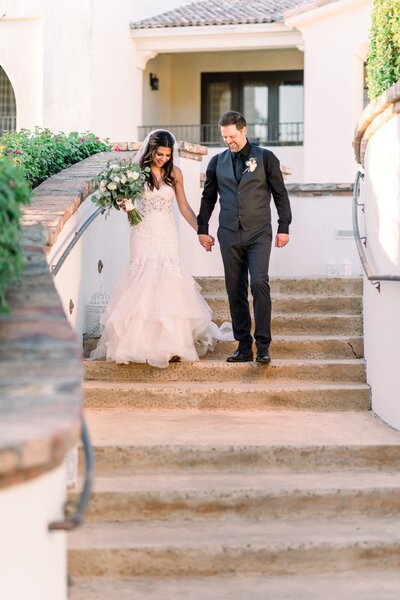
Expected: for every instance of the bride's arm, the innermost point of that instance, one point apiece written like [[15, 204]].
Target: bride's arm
[[184, 206]]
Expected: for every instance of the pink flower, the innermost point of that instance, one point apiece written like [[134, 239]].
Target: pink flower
[[16, 151], [82, 139], [117, 149]]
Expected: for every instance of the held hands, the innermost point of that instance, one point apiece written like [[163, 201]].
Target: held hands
[[281, 240], [207, 241]]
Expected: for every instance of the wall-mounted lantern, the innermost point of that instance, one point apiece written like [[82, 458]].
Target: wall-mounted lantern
[[153, 81]]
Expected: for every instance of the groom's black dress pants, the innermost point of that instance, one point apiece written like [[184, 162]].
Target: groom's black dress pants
[[244, 253]]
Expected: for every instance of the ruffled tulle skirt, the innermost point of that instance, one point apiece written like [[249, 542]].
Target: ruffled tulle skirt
[[156, 313]]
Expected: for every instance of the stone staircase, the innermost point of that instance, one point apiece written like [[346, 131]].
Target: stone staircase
[[245, 481]]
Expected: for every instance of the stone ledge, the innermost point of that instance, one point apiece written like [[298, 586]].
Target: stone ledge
[[319, 189], [310, 189], [40, 372], [186, 149], [378, 112]]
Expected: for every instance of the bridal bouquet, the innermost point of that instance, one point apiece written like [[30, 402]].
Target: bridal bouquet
[[118, 186]]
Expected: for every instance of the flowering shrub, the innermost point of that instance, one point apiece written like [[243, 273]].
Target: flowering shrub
[[42, 153], [14, 191]]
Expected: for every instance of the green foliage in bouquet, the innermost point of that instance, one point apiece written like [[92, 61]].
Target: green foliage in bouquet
[[118, 186], [42, 153], [383, 64], [14, 191]]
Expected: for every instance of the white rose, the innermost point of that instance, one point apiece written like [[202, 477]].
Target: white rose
[[135, 176], [112, 186], [116, 179], [123, 179], [130, 174], [115, 166]]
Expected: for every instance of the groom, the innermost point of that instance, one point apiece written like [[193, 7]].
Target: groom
[[244, 178]]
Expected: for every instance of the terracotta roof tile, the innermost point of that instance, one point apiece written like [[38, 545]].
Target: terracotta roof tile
[[223, 12]]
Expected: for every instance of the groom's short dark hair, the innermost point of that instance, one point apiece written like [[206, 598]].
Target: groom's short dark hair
[[232, 118]]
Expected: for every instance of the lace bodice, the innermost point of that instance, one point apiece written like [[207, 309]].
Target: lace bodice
[[156, 237], [156, 200]]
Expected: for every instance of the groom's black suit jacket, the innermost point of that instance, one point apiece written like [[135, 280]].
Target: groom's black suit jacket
[[247, 203]]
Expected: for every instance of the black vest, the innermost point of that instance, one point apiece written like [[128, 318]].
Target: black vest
[[247, 203]]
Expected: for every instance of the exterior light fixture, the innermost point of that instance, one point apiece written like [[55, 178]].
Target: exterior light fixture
[[153, 81]]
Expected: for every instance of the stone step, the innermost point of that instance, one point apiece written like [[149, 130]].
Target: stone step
[[288, 346], [318, 286], [280, 441], [347, 305], [302, 347], [334, 370], [227, 396], [257, 547], [316, 324], [205, 496], [347, 585]]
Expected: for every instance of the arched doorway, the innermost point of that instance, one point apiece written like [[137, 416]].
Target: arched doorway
[[8, 107]]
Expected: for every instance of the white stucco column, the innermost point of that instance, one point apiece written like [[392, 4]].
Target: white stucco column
[[141, 59], [335, 37]]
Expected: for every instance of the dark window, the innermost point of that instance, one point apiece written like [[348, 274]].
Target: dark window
[[271, 101], [8, 109]]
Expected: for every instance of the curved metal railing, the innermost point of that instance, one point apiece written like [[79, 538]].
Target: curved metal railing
[[361, 242], [70, 523], [78, 234]]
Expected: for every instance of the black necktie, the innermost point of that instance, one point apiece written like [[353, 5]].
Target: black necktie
[[238, 163]]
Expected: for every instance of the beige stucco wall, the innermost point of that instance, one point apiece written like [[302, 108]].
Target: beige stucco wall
[[21, 49], [380, 192], [32, 558], [179, 96]]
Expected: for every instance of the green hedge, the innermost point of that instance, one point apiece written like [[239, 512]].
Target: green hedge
[[26, 159], [383, 64], [14, 191], [42, 153]]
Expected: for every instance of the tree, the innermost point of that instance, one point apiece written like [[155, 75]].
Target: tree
[[383, 63]]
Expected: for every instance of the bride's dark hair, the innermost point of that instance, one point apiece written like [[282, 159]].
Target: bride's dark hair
[[166, 140]]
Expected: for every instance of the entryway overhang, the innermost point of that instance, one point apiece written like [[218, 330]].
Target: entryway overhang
[[150, 42]]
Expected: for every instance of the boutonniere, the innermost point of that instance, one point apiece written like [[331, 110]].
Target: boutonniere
[[251, 165]]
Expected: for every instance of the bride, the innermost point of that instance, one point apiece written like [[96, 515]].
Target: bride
[[157, 314]]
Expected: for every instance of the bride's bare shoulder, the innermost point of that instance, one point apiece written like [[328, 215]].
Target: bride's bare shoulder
[[178, 174]]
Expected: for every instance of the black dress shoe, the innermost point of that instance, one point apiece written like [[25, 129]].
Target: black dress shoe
[[241, 356], [263, 356]]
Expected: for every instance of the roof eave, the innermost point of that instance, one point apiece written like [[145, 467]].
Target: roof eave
[[198, 30]]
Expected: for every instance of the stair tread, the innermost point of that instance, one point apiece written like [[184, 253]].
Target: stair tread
[[351, 585], [237, 533], [290, 296], [211, 483], [276, 384], [279, 361], [191, 428]]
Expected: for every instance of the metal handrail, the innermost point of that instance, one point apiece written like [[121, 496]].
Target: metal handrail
[[375, 279], [71, 523], [78, 234], [81, 507]]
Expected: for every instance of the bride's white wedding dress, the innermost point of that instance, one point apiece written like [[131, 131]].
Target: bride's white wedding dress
[[157, 311]]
